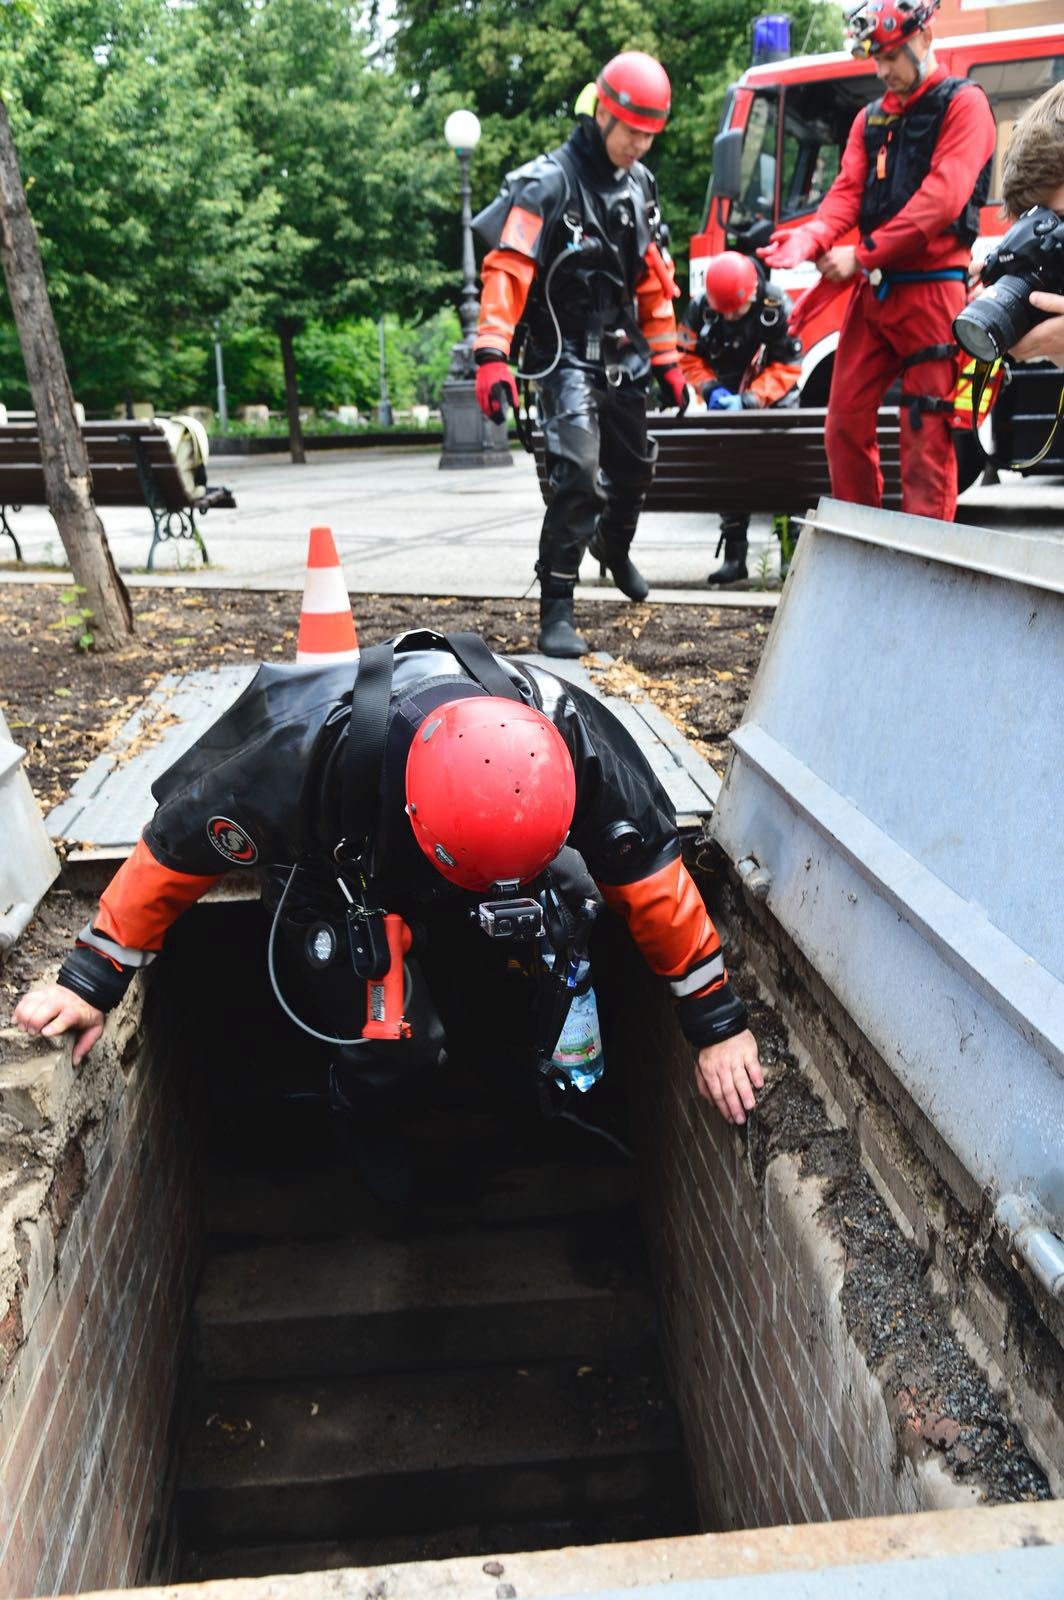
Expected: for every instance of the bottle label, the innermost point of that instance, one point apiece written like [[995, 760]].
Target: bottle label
[[579, 1048]]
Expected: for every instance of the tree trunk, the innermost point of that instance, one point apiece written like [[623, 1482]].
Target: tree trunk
[[67, 479], [287, 328]]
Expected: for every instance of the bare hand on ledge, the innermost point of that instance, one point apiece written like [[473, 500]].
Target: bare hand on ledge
[[54, 1010], [728, 1073]]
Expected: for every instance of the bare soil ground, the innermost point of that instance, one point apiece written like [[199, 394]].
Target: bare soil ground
[[64, 705]]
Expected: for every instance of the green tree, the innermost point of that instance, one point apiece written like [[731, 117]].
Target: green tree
[[520, 64], [148, 197], [64, 460], [343, 144]]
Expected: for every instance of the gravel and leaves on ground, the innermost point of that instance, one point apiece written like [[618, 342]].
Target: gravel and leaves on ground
[[65, 704]]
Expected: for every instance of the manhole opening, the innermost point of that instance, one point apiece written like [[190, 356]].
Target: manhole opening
[[371, 1381]]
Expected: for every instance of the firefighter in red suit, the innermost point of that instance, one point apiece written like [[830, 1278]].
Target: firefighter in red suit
[[914, 173], [578, 289], [468, 776]]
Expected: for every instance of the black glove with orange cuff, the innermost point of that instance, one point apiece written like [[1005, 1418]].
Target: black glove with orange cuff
[[673, 386], [496, 386]]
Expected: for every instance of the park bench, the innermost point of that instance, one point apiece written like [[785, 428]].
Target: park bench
[[770, 461], [133, 463]]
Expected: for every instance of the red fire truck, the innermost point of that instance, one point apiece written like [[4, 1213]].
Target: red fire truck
[[783, 130]]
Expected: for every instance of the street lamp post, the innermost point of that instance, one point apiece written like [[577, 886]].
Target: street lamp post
[[469, 439], [384, 406], [223, 409]]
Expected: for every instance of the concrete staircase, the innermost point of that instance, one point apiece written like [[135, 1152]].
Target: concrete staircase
[[479, 1376]]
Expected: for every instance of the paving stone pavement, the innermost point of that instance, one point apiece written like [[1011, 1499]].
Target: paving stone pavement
[[404, 527], [401, 527]]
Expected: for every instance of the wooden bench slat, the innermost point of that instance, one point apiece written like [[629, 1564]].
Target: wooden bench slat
[[747, 461]]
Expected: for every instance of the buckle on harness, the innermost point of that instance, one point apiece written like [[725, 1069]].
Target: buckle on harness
[[616, 341]]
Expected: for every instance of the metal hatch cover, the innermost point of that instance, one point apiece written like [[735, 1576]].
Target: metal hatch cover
[[896, 788]]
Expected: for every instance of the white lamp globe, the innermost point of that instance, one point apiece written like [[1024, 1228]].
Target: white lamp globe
[[461, 130]]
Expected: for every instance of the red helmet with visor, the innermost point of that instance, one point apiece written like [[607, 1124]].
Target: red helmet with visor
[[635, 89], [490, 791], [876, 26]]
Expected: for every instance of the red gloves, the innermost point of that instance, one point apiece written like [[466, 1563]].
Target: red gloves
[[789, 247], [673, 386], [496, 390]]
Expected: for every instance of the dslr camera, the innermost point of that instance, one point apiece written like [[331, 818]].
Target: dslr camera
[[1030, 256]]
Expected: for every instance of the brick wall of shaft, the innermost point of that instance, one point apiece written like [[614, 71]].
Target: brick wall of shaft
[[97, 1258], [824, 1364]]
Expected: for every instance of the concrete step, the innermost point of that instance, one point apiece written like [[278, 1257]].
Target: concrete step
[[472, 1539], [475, 1297], [348, 1459], [270, 1206]]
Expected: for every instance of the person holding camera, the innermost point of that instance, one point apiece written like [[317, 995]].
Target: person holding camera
[[915, 170], [737, 352], [578, 290], [1022, 307], [436, 820]]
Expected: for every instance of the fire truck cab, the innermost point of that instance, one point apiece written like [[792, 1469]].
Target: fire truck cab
[[782, 133]]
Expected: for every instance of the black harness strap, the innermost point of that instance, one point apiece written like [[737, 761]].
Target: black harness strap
[[474, 655], [932, 352], [367, 728], [917, 404]]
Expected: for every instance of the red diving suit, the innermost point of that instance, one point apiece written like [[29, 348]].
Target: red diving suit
[[912, 179]]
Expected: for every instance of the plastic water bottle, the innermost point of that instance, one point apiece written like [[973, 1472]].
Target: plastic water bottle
[[578, 1052]]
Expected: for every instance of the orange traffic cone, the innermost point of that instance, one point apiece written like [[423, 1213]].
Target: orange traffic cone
[[326, 623]]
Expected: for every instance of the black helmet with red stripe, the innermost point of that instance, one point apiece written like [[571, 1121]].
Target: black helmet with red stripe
[[635, 89]]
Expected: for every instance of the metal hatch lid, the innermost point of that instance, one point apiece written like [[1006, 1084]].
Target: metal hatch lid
[[895, 787]]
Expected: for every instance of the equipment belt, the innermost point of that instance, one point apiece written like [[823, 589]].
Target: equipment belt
[[942, 275]]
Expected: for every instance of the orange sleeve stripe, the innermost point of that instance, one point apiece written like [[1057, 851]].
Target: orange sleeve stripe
[[144, 899], [695, 370], [776, 381], [505, 281], [521, 230], [657, 320], [667, 918]]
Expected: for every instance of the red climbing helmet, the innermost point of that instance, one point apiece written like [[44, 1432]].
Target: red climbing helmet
[[731, 281], [884, 25], [635, 89], [490, 790]]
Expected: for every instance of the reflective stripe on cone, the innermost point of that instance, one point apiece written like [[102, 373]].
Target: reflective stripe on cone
[[326, 623]]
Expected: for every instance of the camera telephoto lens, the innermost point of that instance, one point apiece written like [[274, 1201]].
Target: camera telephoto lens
[[996, 319]]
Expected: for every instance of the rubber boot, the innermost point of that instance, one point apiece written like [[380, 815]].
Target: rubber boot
[[557, 636], [623, 570], [733, 569]]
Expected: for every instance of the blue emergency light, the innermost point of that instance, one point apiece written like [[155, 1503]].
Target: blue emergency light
[[772, 38]]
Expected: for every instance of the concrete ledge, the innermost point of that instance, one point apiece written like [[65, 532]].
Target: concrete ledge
[[972, 1537]]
